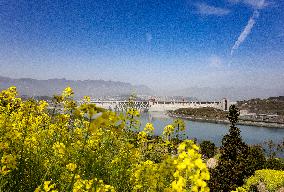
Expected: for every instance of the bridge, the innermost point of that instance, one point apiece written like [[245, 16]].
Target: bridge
[[152, 105]]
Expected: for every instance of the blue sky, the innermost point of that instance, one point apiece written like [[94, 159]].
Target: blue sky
[[162, 44]]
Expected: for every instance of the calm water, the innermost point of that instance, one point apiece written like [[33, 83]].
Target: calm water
[[215, 132]]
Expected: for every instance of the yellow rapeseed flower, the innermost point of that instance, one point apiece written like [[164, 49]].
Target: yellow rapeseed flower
[[47, 187], [71, 166], [149, 128], [9, 161], [59, 149], [67, 92]]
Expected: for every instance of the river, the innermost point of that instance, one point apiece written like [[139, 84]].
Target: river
[[214, 132]]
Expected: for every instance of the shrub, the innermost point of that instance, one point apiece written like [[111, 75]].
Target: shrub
[[256, 159], [274, 163], [271, 180], [207, 149]]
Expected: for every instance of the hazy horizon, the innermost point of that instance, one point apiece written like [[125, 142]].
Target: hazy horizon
[[97, 88], [164, 45]]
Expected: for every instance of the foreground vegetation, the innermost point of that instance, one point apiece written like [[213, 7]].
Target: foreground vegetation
[[73, 147], [85, 148]]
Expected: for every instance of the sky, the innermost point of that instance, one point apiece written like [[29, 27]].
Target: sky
[[162, 44]]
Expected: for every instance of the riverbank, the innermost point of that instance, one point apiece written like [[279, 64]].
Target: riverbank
[[219, 121]]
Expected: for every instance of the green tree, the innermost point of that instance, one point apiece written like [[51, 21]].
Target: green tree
[[232, 166]]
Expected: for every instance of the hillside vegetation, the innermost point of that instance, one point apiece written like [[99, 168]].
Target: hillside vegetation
[[272, 105]]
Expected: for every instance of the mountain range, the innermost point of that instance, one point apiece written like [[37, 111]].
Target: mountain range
[[94, 88], [100, 88]]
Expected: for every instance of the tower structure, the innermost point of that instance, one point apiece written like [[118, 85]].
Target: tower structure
[[225, 104]]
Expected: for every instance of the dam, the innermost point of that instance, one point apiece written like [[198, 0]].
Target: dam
[[153, 105]]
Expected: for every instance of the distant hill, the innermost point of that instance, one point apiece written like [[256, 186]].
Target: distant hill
[[272, 105], [96, 88], [232, 93]]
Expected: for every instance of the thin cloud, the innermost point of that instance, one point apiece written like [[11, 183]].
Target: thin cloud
[[205, 9], [255, 4]]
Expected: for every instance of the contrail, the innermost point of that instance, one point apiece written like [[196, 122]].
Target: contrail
[[257, 4], [246, 31]]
